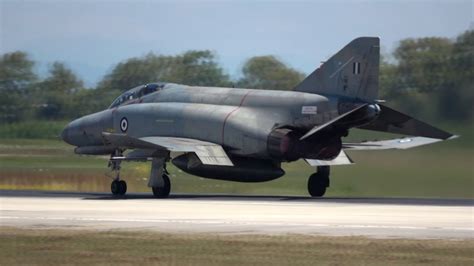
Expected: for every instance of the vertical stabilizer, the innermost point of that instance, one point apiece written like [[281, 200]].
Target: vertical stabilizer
[[353, 72]]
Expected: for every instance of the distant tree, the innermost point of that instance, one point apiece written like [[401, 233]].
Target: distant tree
[[56, 94], [133, 72], [463, 56], [88, 101], [198, 68], [267, 72], [16, 70], [388, 83], [62, 80], [16, 78], [432, 77], [423, 63], [456, 101]]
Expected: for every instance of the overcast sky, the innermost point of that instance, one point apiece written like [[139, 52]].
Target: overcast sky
[[93, 36]]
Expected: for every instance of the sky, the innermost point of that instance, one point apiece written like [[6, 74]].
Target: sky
[[91, 37]]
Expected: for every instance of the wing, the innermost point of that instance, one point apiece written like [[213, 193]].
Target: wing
[[208, 152], [401, 143]]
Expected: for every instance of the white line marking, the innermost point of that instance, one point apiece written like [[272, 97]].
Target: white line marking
[[185, 221], [339, 69]]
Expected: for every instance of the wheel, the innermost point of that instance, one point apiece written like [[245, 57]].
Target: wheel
[[118, 187], [164, 191], [115, 187], [317, 183], [123, 187]]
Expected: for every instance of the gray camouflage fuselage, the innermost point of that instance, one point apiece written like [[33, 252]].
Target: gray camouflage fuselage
[[238, 119]]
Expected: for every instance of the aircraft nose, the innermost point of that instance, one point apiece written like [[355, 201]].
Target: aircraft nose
[[64, 134]]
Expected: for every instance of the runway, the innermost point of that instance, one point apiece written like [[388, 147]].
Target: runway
[[226, 214]]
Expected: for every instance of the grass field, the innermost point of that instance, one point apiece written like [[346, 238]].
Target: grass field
[[50, 247], [440, 170]]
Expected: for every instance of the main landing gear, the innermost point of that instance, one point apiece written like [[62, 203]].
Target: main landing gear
[[159, 178], [164, 190], [319, 181]]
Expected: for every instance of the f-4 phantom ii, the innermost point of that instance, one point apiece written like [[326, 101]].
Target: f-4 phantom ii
[[244, 134]]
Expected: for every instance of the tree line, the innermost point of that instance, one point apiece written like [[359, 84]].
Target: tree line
[[428, 77]]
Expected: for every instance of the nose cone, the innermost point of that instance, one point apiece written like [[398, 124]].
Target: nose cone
[[65, 134], [87, 130], [74, 133]]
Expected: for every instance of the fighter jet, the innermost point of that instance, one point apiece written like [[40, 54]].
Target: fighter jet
[[244, 135]]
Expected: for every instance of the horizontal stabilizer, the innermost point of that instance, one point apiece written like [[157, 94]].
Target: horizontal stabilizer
[[393, 121], [401, 143]]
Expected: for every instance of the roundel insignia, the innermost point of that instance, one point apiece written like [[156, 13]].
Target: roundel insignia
[[124, 124]]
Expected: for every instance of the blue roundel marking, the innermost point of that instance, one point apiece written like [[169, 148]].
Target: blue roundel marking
[[124, 124]]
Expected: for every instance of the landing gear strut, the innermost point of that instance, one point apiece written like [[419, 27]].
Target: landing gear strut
[[118, 187], [319, 181]]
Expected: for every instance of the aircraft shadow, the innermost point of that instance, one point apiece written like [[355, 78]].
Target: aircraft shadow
[[233, 197], [282, 198]]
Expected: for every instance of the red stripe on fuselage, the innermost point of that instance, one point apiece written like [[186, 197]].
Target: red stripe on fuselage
[[230, 113]]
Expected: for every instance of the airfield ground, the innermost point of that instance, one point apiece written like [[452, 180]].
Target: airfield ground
[[47, 247]]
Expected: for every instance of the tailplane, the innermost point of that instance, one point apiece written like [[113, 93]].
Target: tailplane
[[353, 72]]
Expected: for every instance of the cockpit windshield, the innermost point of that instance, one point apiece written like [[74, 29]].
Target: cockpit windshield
[[137, 93]]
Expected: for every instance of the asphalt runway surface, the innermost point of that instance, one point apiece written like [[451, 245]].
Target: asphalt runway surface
[[230, 214]]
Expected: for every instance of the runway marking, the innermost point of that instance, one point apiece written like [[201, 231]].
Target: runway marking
[[214, 222], [241, 216]]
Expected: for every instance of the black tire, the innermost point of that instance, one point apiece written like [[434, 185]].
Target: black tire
[[115, 187], [164, 191], [123, 187], [317, 184]]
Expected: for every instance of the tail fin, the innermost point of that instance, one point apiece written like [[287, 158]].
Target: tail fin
[[353, 72]]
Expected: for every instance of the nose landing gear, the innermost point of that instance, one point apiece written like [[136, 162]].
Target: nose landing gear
[[118, 187], [318, 182]]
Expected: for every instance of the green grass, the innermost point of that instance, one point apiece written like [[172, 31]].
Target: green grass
[[49, 247], [34, 129], [441, 170]]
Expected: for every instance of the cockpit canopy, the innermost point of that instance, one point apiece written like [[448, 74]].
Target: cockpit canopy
[[137, 93]]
